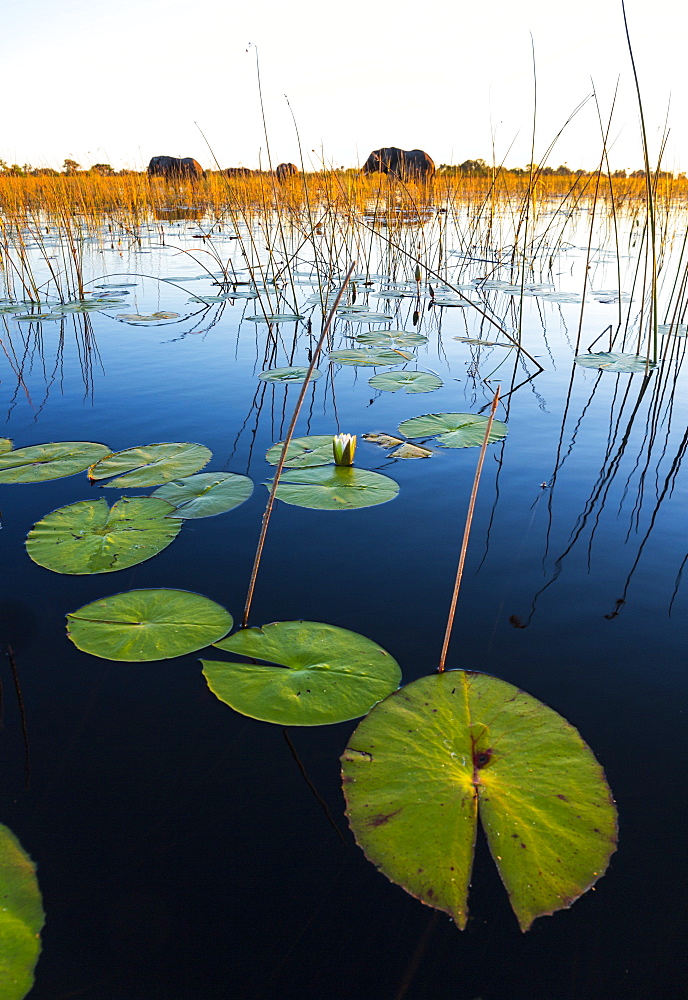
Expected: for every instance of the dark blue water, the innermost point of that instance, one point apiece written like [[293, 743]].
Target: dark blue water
[[181, 855]]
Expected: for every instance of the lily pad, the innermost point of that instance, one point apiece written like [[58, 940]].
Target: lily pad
[[446, 748], [155, 317], [453, 430], [331, 674], [21, 918], [674, 329], [408, 381], [288, 375], [5, 445], [481, 343], [150, 465], [276, 318], [206, 494], [39, 462], [89, 537], [335, 488], [370, 357], [615, 362], [363, 316], [303, 452], [376, 338], [384, 440], [148, 625], [408, 450]]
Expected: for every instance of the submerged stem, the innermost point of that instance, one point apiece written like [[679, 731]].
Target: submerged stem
[[466, 534]]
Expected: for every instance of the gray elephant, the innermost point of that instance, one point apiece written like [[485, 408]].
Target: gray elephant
[[237, 172], [284, 170], [175, 167], [406, 164]]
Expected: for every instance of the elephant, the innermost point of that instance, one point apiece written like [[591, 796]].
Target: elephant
[[238, 172], [284, 170], [406, 164], [175, 167]]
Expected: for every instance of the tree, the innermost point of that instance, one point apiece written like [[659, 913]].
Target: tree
[[71, 166], [104, 169]]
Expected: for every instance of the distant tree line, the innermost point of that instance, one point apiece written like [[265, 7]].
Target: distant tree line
[[469, 168]]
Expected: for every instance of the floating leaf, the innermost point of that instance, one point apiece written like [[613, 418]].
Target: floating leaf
[[403, 339], [288, 375], [276, 318], [454, 430], [210, 300], [480, 343], [331, 674], [384, 440], [370, 357], [408, 381], [89, 537], [408, 450], [149, 318], [303, 452], [21, 918], [5, 445], [612, 361], [148, 625], [37, 317], [335, 488], [445, 302], [376, 338], [119, 284], [49, 461], [435, 754], [206, 494], [675, 329], [150, 465]]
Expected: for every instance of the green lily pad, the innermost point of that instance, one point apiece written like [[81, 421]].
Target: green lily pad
[[37, 317], [148, 318], [408, 381], [408, 450], [5, 445], [148, 625], [375, 338], [481, 343], [403, 339], [39, 462], [21, 918], [673, 329], [370, 356], [453, 430], [354, 315], [615, 362], [303, 452], [276, 318], [288, 375], [89, 537], [206, 494], [331, 674], [152, 464], [335, 488], [446, 748]]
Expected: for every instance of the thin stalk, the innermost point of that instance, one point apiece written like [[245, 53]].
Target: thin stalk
[[285, 446], [466, 534]]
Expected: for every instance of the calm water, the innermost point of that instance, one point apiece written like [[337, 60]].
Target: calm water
[[180, 853]]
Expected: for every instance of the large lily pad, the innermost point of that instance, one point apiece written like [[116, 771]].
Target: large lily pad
[[303, 452], [5, 445], [148, 625], [89, 537], [21, 918], [453, 430], [206, 494], [408, 381], [331, 674], [370, 357], [446, 748], [39, 462], [612, 361], [294, 374], [151, 465], [335, 488]]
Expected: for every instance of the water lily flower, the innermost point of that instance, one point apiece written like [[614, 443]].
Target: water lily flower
[[344, 448]]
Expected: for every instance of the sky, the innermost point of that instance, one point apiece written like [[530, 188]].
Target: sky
[[118, 83]]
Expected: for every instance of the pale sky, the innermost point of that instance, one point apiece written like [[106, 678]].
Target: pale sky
[[98, 81]]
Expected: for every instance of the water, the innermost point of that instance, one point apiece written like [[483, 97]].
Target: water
[[181, 855]]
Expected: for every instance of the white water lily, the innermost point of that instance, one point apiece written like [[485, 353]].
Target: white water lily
[[344, 448]]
